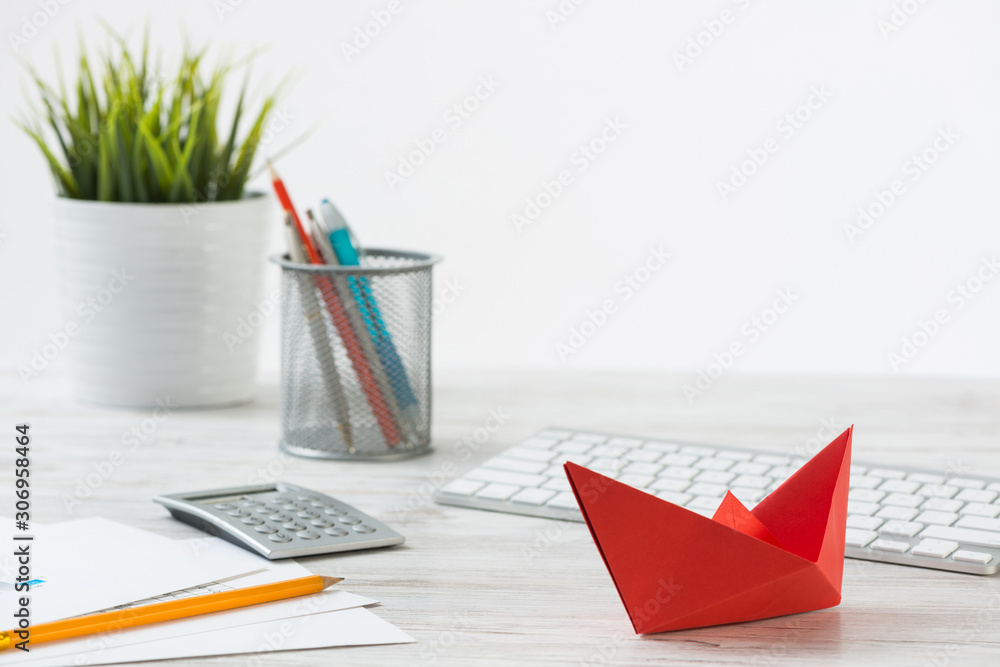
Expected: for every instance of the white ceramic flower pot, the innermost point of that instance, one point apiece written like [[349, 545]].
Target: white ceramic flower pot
[[156, 292]]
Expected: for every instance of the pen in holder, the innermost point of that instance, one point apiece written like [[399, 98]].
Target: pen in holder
[[355, 357]]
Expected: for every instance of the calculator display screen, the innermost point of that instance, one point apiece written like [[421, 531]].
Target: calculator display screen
[[227, 498]]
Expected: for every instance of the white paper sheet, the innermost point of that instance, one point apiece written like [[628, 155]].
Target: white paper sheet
[[93, 564], [351, 627], [330, 600]]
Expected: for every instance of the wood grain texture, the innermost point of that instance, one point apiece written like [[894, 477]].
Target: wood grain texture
[[481, 588]]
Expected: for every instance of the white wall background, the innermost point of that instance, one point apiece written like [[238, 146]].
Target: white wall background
[[656, 185]]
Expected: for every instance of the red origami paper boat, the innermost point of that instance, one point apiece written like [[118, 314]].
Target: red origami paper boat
[[676, 569]]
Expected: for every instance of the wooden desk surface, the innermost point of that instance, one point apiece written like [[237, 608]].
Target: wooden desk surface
[[482, 588]]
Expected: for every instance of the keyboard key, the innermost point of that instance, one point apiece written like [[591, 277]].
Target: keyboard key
[[661, 446], [979, 523], [976, 496], [679, 473], [703, 489], [865, 482], [891, 545], [592, 438], [573, 447], [864, 523], [746, 495], [898, 486], [529, 454], [866, 495], [940, 518], [966, 483], [604, 466], [858, 470], [772, 460], [563, 501], [533, 496], [782, 472], [972, 557], [644, 455], [980, 509], [516, 465], [885, 473], [903, 500], [638, 481], [559, 471], [715, 477], [978, 538], [607, 451], [462, 487], [669, 484], [557, 484], [753, 481], [704, 503], [625, 442], [941, 505], [900, 528], [579, 459], [643, 468], [505, 477], [858, 538], [709, 463], [864, 509], [934, 548], [924, 478], [497, 491], [938, 491], [995, 486], [747, 468], [892, 512], [674, 497], [734, 455], [538, 443], [680, 460], [697, 451]]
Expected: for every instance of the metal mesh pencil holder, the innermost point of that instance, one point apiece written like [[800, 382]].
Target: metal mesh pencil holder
[[356, 357]]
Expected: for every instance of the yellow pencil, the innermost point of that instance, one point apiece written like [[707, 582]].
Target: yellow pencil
[[166, 611]]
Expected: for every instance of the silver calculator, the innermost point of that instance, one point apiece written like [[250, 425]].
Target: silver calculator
[[280, 520]]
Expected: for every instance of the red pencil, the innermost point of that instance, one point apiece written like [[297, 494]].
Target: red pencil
[[340, 320]]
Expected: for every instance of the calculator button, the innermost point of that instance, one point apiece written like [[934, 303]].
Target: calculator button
[[335, 511], [250, 500], [308, 534], [279, 537], [321, 522], [280, 516], [308, 514], [362, 528], [225, 506], [238, 511], [306, 498], [336, 531], [294, 525], [281, 499], [318, 504], [265, 528], [262, 509], [350, 520], [252, 520]]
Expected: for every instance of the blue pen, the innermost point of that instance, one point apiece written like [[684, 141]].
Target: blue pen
[[340, 238]]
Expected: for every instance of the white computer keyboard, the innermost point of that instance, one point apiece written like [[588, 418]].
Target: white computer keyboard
[[897, 515]]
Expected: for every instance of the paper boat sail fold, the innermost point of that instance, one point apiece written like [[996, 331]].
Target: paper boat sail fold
[[677, 569]]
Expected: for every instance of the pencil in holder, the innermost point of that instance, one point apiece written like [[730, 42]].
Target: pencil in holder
[[356, 357]]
